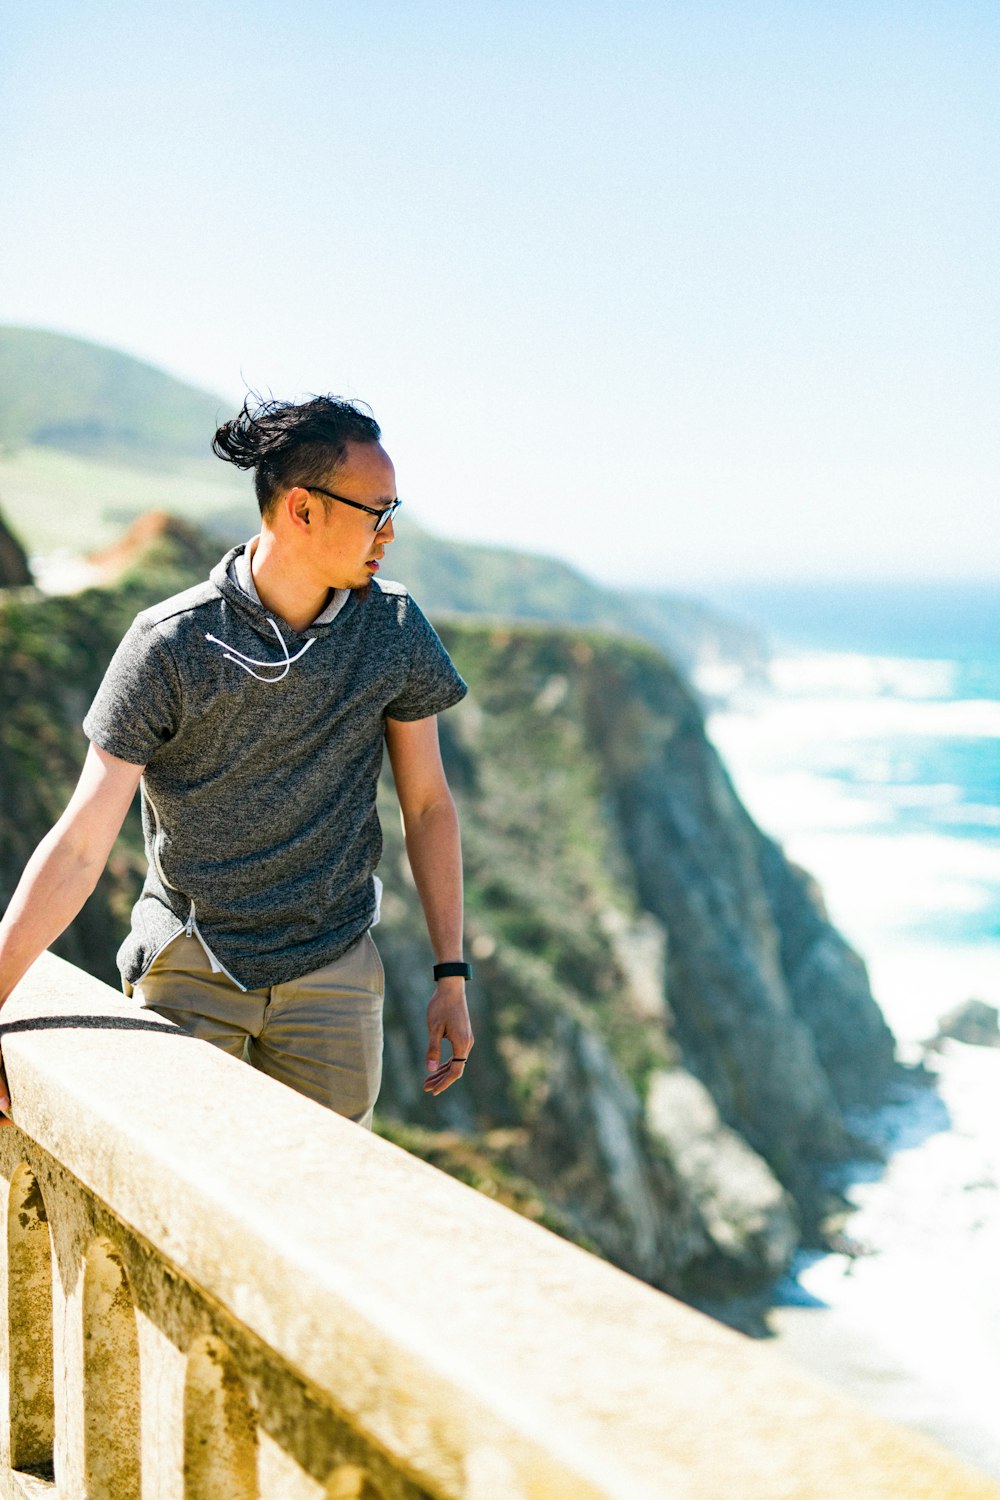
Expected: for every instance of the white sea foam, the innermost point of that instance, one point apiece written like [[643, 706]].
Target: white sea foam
[[785, 724], [918, 871], [837, 673], [785, 800], [976, 815]]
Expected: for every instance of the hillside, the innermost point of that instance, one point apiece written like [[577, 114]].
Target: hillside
[[91, 439], [668, 1029], [79, 397], [505, 584]]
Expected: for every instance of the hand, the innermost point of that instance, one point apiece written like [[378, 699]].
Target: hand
[[447, 1016]]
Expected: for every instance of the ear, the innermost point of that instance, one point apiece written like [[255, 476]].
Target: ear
[[299, 508]]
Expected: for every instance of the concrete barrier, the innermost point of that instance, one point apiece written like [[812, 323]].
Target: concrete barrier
[[217, 1289]]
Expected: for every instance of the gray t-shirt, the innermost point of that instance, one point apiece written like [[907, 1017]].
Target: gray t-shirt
[[262, 748]]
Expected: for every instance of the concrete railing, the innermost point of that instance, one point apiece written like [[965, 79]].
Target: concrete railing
[[217, 1289]]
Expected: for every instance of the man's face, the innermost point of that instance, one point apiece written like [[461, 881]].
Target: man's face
[[345, 545]]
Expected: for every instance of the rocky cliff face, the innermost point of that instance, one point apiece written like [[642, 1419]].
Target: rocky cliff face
[[667, 1026], [773, 1009]]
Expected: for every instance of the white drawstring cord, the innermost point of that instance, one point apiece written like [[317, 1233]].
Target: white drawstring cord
[[241, 659]]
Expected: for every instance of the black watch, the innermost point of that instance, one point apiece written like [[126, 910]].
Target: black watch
[[452, 971]]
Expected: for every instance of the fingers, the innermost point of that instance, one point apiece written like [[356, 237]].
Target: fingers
[[447, 1017], [442, 1075], [445, 1075]]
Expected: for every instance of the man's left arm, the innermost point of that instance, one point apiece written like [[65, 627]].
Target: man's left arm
[[433, 847]]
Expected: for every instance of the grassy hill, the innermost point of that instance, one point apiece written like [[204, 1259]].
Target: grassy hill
[[79, 397], [91, 438]]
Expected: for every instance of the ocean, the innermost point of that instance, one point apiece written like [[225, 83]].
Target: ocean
[[871, 751]]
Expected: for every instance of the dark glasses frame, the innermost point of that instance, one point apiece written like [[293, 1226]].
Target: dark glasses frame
[[382, 515]]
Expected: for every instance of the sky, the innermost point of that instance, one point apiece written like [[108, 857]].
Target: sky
[[676, 292]]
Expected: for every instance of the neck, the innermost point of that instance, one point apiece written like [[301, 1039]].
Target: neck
[[283, 585]]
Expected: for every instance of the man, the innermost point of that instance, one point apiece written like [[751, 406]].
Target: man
[[252, 711]]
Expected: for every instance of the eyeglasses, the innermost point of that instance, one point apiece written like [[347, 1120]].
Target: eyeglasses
[[383, 515]]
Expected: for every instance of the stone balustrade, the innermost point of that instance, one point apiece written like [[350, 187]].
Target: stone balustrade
[[218, 1291]]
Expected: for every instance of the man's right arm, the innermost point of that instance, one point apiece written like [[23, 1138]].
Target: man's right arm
[[65, 867]]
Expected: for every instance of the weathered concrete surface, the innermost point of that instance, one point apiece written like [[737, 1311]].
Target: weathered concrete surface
[[476, 1353]]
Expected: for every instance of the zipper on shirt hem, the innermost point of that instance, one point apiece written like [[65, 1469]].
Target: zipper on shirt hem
[[193, 930]]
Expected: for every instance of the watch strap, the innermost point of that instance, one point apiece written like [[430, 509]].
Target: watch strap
[[453, 971]]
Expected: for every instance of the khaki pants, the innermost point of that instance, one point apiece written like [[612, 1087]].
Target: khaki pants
[[321, 1034]]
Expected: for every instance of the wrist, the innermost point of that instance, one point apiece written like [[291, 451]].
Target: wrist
[[452, 991]]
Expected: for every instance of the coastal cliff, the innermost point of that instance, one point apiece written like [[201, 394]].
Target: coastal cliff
[[668, 1028], [661, 1005]]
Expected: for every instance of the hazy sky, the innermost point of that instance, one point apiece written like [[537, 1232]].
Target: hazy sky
[[677, 292]]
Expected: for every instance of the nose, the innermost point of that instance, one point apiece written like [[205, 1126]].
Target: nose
[[387, 533]]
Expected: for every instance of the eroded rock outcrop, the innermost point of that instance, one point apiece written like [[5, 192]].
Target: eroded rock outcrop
[[974, 1022]]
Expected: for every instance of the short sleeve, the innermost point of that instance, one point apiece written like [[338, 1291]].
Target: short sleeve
[[137, 707], [432, 683]]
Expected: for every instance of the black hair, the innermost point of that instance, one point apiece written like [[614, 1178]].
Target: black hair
[[288, 444]]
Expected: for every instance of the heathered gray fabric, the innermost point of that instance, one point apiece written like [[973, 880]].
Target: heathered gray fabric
[[259, 797]]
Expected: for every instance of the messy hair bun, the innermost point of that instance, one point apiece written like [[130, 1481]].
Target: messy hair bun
[[288, 444]]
